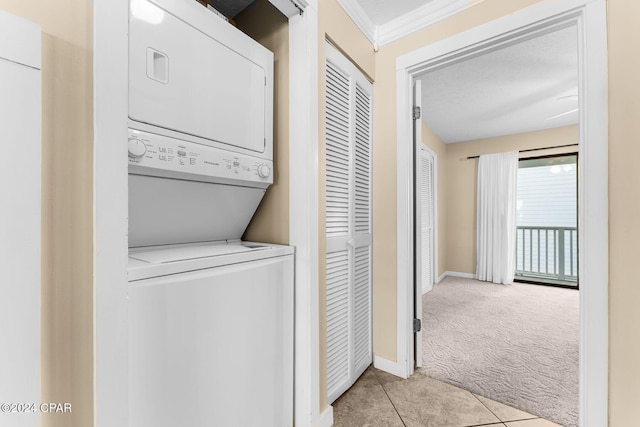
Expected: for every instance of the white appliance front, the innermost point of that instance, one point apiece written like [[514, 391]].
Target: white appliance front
[[183, 192], [20, 219], [192, 75], [212, 346]]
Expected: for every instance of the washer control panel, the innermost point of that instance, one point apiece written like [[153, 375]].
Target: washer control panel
[[173, 155]]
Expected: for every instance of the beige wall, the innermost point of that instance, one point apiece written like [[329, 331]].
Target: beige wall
[[269, 27], [67, 227], [461, 183], [384, 157], [624, 213], [333, 24], [440, 149]]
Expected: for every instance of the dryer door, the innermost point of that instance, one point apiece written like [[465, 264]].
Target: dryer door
[[212, 83]]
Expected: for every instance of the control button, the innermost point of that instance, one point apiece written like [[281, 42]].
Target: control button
[[163, 157], [137, 148], [162, 149], [182, 153], [236, 163], [264, 170]]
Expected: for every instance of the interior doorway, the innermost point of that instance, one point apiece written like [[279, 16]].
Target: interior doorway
[[589, 20]]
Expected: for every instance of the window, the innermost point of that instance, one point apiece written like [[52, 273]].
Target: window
[[547, 237]]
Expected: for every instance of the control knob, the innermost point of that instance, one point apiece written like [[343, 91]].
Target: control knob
[[137, 148], [264, 170]]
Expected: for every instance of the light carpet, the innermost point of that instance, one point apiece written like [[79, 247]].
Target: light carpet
[[517, 344]]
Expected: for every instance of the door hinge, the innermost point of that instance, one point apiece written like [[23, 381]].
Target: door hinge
[[417, 325], [416, 113]]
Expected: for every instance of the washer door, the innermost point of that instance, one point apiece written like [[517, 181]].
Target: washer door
[[213, 347]]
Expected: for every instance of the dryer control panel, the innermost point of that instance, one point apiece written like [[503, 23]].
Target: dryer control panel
[[157, 155]]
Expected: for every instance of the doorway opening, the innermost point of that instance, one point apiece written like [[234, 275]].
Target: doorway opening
[[588, 17]]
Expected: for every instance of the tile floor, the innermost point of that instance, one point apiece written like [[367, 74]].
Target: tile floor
[[379, 399]]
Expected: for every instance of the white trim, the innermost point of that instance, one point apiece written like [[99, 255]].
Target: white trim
[[303, 208], [326, 418], [361, 19], [290, 8], [422, 17], [110, 187], [590, 18], [593, 217], [456, 274], [393, 368], [404, 208], [459, 274]]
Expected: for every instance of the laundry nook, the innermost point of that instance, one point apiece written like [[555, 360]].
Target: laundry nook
[[316, 213]]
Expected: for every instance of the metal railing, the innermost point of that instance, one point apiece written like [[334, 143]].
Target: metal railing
[[548, 253]]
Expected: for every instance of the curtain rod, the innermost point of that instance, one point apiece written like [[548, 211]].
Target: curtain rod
[[533, 149]]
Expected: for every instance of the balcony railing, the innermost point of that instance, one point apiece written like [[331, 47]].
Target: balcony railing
[[547, 254]]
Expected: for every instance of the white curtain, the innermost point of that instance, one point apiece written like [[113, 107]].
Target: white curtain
[[496, 217]]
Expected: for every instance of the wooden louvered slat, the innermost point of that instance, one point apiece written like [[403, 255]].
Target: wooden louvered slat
[[426, 212], [362, 163], [362, 306], [337, 152], [338, 307]]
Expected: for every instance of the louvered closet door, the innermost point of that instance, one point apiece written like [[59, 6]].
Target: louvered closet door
[[348, 222], [425, 217]]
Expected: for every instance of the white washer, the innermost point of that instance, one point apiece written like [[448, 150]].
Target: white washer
[[211, 335]]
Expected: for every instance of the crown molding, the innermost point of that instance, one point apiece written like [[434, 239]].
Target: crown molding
[[361, 19], [429, 14]]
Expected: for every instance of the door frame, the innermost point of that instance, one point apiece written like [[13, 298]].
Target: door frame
[[589, 16]]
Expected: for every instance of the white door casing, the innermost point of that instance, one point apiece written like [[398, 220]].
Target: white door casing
[[424, 219], [348, 222], [424, 238], [589, 17]]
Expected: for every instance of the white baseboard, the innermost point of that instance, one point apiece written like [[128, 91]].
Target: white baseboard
[[326, 418], [393, 368], [458, 274], [441, 277]]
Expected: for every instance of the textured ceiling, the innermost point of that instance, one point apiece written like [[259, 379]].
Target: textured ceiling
[[508, 91], [382, 11]]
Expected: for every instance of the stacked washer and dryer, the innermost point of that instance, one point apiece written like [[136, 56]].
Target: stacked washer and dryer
[[210, 316]]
